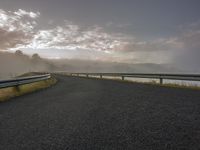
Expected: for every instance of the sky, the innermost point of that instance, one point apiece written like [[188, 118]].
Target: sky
[[126, 31]]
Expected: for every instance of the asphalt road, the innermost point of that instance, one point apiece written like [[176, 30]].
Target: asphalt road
[[79, 113]]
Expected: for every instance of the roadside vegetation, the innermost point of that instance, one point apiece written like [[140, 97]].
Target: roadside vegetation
[[7, 93], [171, 85], [151, 82]]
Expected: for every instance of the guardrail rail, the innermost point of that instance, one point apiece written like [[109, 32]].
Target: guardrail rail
[[160, 77], [23, 80]]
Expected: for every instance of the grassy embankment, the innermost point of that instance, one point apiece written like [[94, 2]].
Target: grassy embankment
[[7, 93]]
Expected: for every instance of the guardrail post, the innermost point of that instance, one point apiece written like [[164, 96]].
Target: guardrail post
[[122, 77], [17, 88], [87, 75], [161, 80], [101, 76]]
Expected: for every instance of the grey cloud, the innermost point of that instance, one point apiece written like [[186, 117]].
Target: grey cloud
[[188, 56], [12, 39], [72, 36], [22, 13], [16, 28], [187, 40], [118, 25], [151, 46]]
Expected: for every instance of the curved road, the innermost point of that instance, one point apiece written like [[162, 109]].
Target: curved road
[[79, 113]]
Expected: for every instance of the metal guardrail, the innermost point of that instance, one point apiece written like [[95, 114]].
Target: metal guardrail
[[160, 77], [23, 80]]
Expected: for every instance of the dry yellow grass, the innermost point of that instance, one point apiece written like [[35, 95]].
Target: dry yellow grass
[[7, 93]]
